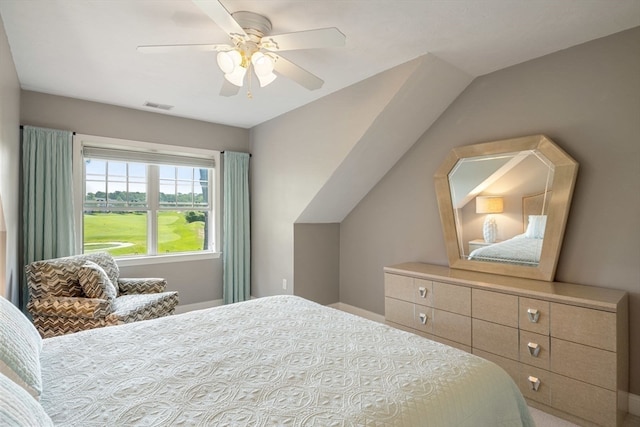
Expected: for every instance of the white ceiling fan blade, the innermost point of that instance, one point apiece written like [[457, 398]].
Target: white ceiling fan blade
[[297, 74], [216, 11], [177, 48], [324, 37], [229, 89]]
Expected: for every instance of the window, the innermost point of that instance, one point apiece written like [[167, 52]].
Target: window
[[136, 202]]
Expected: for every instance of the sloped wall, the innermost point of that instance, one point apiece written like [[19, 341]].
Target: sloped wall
[[314, 164]]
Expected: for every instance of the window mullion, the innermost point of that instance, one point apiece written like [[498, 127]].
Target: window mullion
[[153, 197]]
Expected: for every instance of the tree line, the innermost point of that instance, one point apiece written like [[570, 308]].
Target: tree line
[[137, 197]]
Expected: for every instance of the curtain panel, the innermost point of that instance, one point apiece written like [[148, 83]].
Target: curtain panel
[[47, 197], [236, 248]]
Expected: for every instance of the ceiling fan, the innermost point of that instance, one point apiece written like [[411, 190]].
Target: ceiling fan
[[252, 47]]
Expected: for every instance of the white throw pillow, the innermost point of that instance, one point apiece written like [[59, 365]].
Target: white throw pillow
[[18, 408], [20, 346], [536, 226]]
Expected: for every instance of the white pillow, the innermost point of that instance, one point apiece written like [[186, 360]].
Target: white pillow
[[18, 408], [536, 226], [20, 346]]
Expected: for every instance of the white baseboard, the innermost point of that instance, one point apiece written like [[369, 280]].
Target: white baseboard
[[197, 306], [358, 312], [634, 404]]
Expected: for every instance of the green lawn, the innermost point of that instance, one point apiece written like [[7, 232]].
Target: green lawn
[[126, 233]]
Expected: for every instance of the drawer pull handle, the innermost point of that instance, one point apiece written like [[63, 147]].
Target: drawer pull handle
[[422, 291], [533, 314], [535, 383], [423, 318], [534, 349]]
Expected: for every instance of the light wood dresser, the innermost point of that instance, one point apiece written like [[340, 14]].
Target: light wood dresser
[[565, 345]]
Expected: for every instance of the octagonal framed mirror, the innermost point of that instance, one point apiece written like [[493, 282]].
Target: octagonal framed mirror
[[504, 205]]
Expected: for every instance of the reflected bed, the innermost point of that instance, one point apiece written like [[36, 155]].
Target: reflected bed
[[525, 248], [519, 250]]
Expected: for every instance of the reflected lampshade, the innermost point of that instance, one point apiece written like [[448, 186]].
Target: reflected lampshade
[[489, 204]]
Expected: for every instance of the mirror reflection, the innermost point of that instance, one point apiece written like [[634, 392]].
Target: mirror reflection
[[499, 204], [504, 205]]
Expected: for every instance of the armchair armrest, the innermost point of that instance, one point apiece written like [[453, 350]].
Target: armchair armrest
[[150, 285], [72, 307]]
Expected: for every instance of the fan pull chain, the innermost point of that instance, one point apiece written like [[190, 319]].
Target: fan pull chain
[[249, 94]]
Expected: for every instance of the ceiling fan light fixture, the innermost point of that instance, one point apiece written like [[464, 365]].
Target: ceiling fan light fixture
[[236, 77], [262, 63], [229, 60], [265, 80]]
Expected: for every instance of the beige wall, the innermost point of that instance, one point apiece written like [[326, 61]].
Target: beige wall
[[293, 156], [9, 171], [316, 260], [587, 99], [197, 281]]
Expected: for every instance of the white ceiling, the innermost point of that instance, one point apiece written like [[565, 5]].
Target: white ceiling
[[86, 49]]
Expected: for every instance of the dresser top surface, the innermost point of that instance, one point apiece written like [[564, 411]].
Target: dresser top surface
[[581, 295]]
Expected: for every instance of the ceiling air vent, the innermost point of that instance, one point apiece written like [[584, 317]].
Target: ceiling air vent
[[158, 106]]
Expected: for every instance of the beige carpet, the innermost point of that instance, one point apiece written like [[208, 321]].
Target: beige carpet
[[542, 419]]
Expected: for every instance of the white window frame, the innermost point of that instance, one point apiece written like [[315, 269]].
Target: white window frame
[[80, 141]]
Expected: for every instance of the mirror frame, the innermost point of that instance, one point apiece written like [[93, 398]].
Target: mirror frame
[[564, 178]]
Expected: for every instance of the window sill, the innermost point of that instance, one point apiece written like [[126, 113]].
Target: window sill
[[162, 259]]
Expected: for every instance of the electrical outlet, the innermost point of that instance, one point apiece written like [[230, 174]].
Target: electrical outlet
[[284, 284]]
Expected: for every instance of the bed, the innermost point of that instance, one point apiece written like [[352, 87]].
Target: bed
[[275, 361]]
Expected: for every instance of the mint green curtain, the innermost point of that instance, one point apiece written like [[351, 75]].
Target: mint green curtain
[[47, 197], [236, 247]]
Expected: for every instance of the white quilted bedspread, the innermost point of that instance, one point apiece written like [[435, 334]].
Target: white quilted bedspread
[[277, 361], [518, 250]]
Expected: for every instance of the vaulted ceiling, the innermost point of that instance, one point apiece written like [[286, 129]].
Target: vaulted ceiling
[[87, 49]]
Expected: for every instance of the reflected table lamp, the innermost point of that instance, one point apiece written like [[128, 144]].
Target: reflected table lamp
[[489, 205]]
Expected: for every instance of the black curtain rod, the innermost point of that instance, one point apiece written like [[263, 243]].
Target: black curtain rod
[[222, 152], [22, 127]]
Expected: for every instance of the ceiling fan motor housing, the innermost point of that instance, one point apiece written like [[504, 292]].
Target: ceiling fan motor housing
[[256, 26]]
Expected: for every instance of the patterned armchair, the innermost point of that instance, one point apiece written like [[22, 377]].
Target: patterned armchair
[[81, 292]]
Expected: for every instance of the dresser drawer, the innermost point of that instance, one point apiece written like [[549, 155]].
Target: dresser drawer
[[452, 326], [579, 399], [534, 349], [535, 384], [397, 311], [534, 315], [450, 343], [497, 339], [495, 307], [408, 289], [398, 287], [453, 298], [584, 363], [594, 328], [512, 367], [423, 319], [583, 400]]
